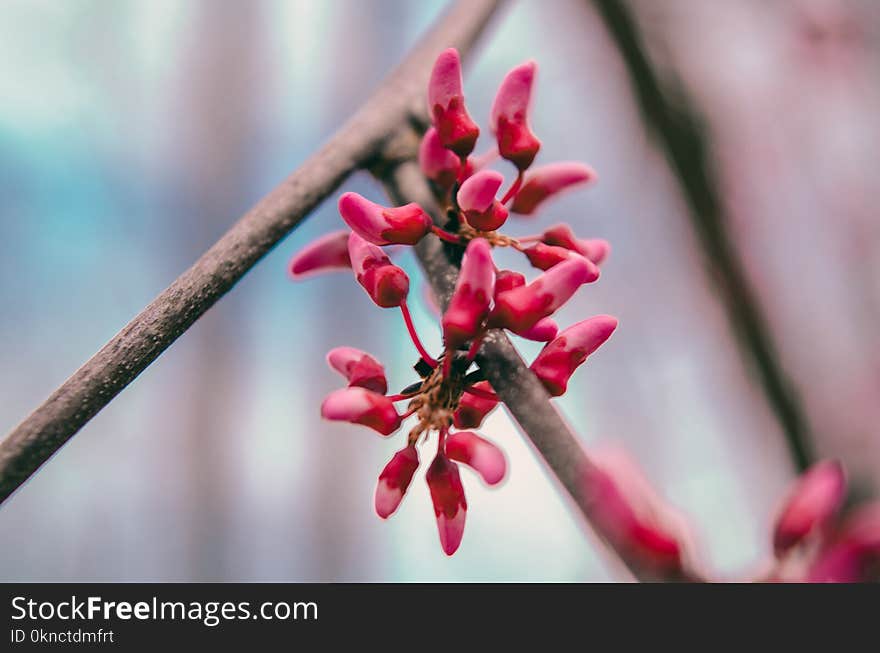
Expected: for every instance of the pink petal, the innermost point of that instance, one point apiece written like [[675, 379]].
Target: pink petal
[[544, 257], [469, 305], [385, 283], [815, 498], [478, 192], [561, 235], [455, 128], [438, 163], [361, 406], [472, 410], [509, 116], [359, 368], [394, 481], [450, 506], [560, 358], [403, 225], [853, 556], [544, 330], [549, 180], [480, 454], [476, 198], [329, 252], [508, 280], [519, 309]]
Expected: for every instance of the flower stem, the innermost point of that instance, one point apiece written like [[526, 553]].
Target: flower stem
[[414, 336], [442, 234], [514, 188]]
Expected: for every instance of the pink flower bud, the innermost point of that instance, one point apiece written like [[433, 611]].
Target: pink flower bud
[[813, 500], [853, 556], [509, 117], [549, 180], [450, 506], [403, 225], [544, 330], [560, 358], [394, 480], [478, 453], [629, 512], [561, 235], [472, 410], [385, 283], [359, 368], [446, 105], [329, 252], [438, 163], [361, 406], [521, 308], [476, 198], [544, 257], [469, 305]]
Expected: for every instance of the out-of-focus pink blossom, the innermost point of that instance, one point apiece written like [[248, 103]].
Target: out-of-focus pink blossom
[[385, 283], [509, 117], [629, 512], [478, 453], [476, 198], [853, 555], [402, 225], [446, 107], [394, 480], [469, 305], [329, 252], [561, 357], [361, 406], [438, 163], [450, 506], [547, 181], [359, 368], [472, 409], [520, 309], [815, 498]]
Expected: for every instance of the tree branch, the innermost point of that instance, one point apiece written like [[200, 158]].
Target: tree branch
[[516, 385], [140, 342], [677, 126]]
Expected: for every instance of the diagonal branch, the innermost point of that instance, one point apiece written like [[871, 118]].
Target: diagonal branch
[[152, 331], [519, 389], [678, 129]]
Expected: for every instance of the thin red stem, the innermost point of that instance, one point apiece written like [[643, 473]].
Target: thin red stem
[[401, 396], [514, 188], [475, 347], [449, 237], [414, 336], [482, 394]]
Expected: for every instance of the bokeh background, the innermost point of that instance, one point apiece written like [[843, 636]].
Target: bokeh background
[[133, 133]]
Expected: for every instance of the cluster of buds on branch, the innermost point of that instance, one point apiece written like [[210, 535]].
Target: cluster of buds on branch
[[451, 398]]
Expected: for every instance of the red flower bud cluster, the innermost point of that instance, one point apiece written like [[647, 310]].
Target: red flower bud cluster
[[452, 398]]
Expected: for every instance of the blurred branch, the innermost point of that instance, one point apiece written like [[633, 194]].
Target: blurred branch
[[677, 126], [152, 331], [520, 390]]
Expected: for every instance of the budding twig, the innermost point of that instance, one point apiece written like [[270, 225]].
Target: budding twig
[[519, 389]]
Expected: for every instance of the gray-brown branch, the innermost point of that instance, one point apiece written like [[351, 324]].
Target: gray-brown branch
[[676, 124], [141, 341]]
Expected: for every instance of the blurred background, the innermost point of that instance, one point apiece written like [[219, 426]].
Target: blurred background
[[133, 133]]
